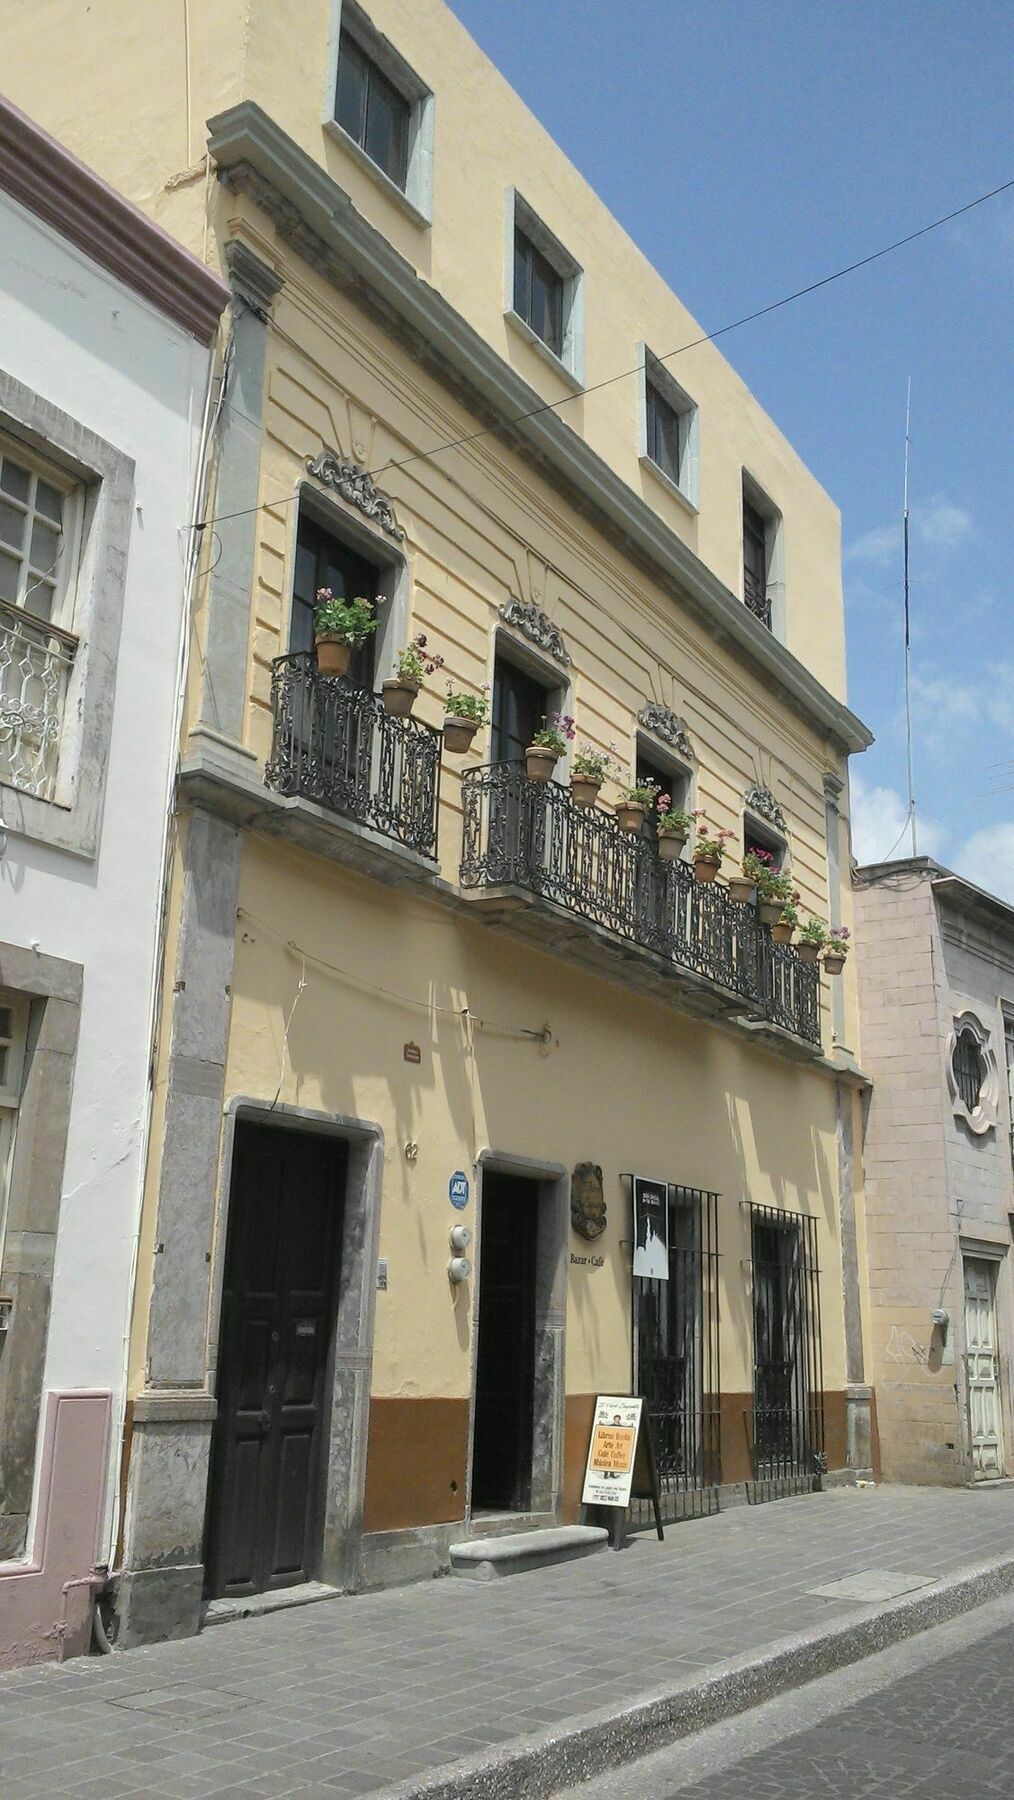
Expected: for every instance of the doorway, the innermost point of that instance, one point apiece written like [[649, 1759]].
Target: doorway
[[502, 1438], [279, 1309], [982, 1369]]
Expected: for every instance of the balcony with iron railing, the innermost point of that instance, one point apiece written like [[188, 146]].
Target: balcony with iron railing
[[36, 659], [571, 880], [335, 745]]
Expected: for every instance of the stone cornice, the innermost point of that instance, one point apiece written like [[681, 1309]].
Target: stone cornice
[[44, 177], [318, 218]]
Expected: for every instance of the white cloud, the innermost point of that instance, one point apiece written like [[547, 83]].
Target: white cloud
[[880, 825], [987, 858], [986, 703], [937, 524]]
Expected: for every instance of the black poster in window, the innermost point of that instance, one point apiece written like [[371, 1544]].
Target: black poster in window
[[651, 1228]]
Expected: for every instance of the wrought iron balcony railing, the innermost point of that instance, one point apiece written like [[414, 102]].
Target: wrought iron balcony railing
[[530, 835], [35, 664], [335, 743], [756, 598]]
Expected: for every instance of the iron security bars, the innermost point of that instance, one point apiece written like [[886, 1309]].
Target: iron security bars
[[787, 1436], [335, 743], [676, 1360], [530, 834]]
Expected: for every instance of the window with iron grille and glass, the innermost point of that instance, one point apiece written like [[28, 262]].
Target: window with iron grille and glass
[[755, 563], [38, 520], [967, 1065], [371, 109]]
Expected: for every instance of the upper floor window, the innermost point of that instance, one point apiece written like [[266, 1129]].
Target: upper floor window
[[324, 561], [1008, 1041], [39, 515], [545, 288], [761, 553], [669, 428], [372, 111], [383, 111], [967, 1066]]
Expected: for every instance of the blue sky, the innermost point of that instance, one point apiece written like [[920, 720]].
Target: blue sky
[[750, 146]]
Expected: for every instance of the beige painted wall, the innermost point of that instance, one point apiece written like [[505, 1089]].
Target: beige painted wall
[[124, 94]]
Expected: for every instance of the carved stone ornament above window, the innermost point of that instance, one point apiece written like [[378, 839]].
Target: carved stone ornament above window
[[761, 800], [354, 485], [666, 726], [536, 626], [973, 1074]]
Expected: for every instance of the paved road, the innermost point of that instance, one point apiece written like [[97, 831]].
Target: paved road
[[932, 1718], [351, 1695]]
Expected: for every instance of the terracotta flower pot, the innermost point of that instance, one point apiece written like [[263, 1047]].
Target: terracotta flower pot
[[629, 815], [834, 961], [584, 790], [400, 697], [782, 934], [670, 845], [770, 911], [333, 654], [741, 890], [540, 761], [458, 733], [706, 869], [807, 952]]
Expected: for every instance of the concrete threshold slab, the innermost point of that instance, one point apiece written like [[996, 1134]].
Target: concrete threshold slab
[[254, 1606], [540, 1765]]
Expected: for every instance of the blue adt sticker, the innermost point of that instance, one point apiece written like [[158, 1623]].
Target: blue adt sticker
[[457, 1189]]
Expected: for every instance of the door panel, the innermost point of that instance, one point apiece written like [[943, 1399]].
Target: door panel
[[505, 1355], [982, 1370], [278, 1314]]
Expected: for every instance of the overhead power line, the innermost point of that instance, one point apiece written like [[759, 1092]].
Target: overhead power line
[[708, 337]]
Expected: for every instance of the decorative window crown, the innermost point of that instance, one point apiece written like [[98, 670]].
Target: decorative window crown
[[355, 485], [761, 800], [665, 725], [536, 626]]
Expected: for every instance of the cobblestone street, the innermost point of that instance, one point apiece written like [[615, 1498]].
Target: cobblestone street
[[351, 1696], [943, 1729]]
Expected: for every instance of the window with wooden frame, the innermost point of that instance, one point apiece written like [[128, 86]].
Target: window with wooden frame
[[40, 520], [669, 428], [13, 1032], [373, 112]]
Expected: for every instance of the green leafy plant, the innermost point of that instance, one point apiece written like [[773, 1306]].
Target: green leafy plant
[[789, 915], [416, 660], [641, 793], [594, 765], [814, 932], [554, 733], [672, 821], [351, 621], [473, 707]]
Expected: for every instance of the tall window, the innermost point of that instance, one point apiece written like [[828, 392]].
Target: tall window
[[538, 292], [1008, 1041], [755, 563], [38, 518], [519, 705], [373, 112], [967, 1065], [322, 560], [669, 427], [13, 1023], [668, 781]]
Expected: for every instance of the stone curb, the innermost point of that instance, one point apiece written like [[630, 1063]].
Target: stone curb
[[538, 1766]]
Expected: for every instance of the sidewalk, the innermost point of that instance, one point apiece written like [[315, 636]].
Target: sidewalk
[[589, 1661]]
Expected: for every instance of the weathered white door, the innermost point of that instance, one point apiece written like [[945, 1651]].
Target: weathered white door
[[982, 1370]]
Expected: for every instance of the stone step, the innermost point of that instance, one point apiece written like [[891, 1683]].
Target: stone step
[[484, 1559]]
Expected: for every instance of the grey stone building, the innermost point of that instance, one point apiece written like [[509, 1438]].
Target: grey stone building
[[936, 992]]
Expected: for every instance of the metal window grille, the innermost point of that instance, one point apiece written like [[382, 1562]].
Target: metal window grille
[[335, 743], [1008, 1039], [35, 664], [676, 1361], [786, 1427], [529, 834], [967, 1065]]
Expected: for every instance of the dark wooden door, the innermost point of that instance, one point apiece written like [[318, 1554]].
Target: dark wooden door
[[519, 707], [505, 1355], [278, 1312]]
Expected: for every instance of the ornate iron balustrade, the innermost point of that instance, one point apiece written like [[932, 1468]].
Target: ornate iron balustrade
[[756, 599], [35, 663], [529, 834], [336, 744]]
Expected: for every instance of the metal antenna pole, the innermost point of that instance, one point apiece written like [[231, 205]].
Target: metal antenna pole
[[908, 634]]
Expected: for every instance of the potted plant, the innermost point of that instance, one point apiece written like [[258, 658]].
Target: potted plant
[[774, 890], [463, 714], [547, 746], [786, 922], [411, 665], [673, 826], [636, 800], [837, 949], [589, 770], [743, 887], [812, 940], [709, 849], [339, 627]]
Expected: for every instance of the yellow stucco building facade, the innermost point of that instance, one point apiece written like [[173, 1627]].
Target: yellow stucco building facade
[[406, 990]]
